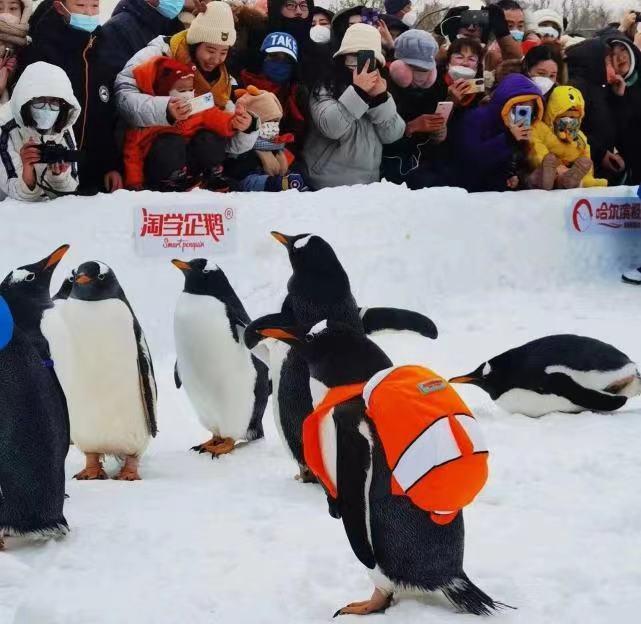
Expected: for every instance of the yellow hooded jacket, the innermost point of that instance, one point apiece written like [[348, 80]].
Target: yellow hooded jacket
[[544, 140]]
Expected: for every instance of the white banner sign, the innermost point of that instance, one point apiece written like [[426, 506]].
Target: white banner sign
[[185, 231], [605, 215]]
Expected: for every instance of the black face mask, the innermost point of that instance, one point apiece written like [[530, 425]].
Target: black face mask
[[297, 27]]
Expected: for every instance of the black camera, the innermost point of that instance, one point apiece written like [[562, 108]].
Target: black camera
[[51, 153], [475, 18], [638, 14]]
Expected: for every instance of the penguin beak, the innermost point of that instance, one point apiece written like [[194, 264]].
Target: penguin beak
[[281, 238], [82, 278], [278, 334], [183, 266], [464, 379], [53, 260]]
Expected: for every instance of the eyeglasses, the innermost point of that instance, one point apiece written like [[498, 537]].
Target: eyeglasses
[[290, 5], [52, 106]]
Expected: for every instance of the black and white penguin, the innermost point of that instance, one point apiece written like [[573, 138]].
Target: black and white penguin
[[225, 383], [106, 371], [33, 436], [399, 543], [318, 289], [561, 373]]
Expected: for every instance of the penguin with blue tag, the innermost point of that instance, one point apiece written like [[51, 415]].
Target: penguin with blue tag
[[390, 528], [318, 289], [107, 373], [560, 373], [227, 386]]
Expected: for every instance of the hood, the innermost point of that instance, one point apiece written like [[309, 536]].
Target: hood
[[587, 60], [43, 80], [146, 73], [561, 100], [51, 29], [635, 53], [514, 89], [146, 13]]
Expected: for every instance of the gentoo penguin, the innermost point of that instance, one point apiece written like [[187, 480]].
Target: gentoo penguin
[[65, 289], [318, 289], [227, 386], [106, 371], [400, 544], [561, 373], [33, 437]]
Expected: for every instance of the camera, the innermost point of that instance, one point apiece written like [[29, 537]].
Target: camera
[[475, 18], [638, 14], [51, 153]]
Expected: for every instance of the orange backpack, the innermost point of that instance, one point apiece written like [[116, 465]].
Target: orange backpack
[[432, 443]]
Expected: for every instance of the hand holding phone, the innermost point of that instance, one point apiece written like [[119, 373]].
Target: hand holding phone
[[201, 103], [365, 58], [523, 115], [444, 110]]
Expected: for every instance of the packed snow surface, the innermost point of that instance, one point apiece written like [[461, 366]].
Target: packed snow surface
[[557, 530]]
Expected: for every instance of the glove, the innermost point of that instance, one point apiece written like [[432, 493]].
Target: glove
[[498, 23]]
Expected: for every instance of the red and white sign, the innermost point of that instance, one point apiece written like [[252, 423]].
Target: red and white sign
[[598, 215], [186, 230]]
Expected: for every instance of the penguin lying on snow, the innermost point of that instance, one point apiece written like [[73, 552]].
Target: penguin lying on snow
[[318, 289], [106, 371], [403, 546], [227, 386], [563, 373], [34, 432]]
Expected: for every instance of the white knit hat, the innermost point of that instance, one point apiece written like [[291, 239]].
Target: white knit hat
[[548, 15], [362, 37], [215, 26]]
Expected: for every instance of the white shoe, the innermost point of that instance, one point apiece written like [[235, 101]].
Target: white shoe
[[633, 276]]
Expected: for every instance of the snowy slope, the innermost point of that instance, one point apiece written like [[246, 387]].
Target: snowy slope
[[557, 531]]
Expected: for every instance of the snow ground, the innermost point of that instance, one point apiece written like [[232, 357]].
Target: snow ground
[[557, 530]]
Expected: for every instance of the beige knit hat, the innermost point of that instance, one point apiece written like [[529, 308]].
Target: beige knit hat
[[215, 26], [362, 37], [263, 104]]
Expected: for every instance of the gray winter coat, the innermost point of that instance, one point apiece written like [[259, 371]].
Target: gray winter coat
[[345, 142]]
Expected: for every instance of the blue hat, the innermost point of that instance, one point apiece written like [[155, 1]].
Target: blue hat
[[280, 42]]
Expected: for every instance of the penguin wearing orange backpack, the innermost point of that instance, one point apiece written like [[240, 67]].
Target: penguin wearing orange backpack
[[397, 484]]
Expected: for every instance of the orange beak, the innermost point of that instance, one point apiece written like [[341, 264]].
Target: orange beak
[[462, 380], [56, 256], [279, 334], [183, 266], [83, 279], [281, 238]]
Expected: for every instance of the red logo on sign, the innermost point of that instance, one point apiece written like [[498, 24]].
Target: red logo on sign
[[582, 215], [183, 225]]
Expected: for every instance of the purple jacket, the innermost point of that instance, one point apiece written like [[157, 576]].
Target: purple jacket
[[482, 145]]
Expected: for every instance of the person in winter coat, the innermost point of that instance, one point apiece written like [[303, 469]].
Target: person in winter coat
[[67, 34], [204, 45], [414, 159], [353, 116], [463, 65], [606, 71], [14, 35], [133, 24], [559, 151], [42, 109], [490, 144]]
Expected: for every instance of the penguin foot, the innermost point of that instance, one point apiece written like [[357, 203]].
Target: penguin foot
[[378, 603], [92, 473], [207, 447], [129, 472], [217, 447], [305, 475]]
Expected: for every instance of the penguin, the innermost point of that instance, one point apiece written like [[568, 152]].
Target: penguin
[[560, 373], [318, 289], [33, 437], [107, 373], [65, 289], [400, 544], [227, 386]]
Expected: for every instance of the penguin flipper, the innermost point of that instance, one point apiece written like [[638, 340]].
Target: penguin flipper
[[148, 388], [397, 319], [353, 460], [177, 380], [588, 399], [262, 390]]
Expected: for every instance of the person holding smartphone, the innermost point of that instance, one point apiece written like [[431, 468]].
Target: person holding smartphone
[[353, 115]]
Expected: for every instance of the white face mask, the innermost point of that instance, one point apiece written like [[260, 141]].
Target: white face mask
[[548, 31], [544, 83], [457, 72], [409, 19], [44, 118], [320, 34], [269, 129], [9, 18], [182, 95]]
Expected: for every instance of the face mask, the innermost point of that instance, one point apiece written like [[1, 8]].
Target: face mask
[[548, 31], [183, 95], [269, 129], [544, 83], [409, 19], [9, 18], [277, 71], [517, 35], [567, 128], [170, 8], [457, 72], [320, 34], [44, 118], [80, 21]]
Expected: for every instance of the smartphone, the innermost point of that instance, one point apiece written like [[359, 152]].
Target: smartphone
[[444, 109], [365, 58], [474, 18], [477, 85], [202, 103], [523, 115]]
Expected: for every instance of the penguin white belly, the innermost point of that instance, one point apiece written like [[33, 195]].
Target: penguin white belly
[[277, 353], [533, 404], [216, 371], [98, 370]]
